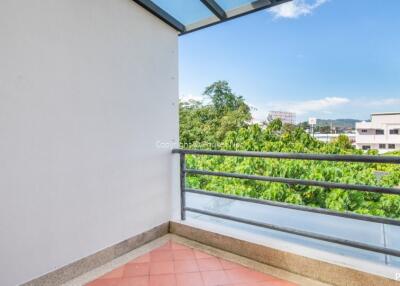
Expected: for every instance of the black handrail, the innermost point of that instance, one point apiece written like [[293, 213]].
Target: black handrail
[[295, 156], [291, 181]]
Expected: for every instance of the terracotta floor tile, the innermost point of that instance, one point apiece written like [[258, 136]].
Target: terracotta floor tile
[[174, 264], [184, 266], [163, 280], [134, 281], [116, 273], [201, 254], [162, 267], [206, 264], [244, 275], [229, 265], [183, 254], [259, 276], [136, 269], [215, 278], [161, 255], [189, 279]]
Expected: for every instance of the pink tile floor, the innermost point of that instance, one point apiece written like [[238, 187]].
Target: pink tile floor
[[174, 264]]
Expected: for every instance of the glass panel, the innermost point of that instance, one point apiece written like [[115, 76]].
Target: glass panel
[[232, 4], [361, 231], [185, 11]]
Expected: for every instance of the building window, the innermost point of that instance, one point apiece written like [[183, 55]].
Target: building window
[[364, 130], [366, 147], [379, 132], [394, 131], [382, 146], [392, 146]]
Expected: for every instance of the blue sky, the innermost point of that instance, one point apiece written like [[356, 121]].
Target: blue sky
[[318, 58]]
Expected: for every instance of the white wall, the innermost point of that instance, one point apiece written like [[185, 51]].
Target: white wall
[[87, 88], [386, 118]]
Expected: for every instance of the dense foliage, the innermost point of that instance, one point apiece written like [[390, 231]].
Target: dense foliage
[[224, 123], [208, 124]]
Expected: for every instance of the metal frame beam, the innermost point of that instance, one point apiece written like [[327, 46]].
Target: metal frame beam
[[254, 6], [220, 14], [161, 14], [213, 6]]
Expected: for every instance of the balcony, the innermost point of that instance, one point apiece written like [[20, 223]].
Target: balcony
[[88, 197], [315, 223], [175, 261], [223, 239]]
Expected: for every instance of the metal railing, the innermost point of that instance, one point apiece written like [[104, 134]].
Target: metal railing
[[294, 156]]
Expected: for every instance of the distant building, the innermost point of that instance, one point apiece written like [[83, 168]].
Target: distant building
[[285, 116], [382, 133], [328, 138]]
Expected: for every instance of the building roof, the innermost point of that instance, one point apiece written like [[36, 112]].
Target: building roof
[[386, 113], [187, 16]]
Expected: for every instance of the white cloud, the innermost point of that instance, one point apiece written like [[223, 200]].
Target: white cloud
[[386, 101], [296, 8], [317, 105], [190, 97], [321, 106]]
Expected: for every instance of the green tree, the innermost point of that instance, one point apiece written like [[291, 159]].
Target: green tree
[[343, 141], [206, 125], [222, 97], [224, 123]]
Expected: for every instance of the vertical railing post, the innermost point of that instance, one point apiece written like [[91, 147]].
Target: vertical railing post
[[385, 242], [183, 185]]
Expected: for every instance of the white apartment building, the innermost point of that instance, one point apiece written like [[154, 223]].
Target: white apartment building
[[285, 116], [382, 133]]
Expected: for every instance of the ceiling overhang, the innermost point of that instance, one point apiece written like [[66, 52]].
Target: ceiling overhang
[[187, 16]]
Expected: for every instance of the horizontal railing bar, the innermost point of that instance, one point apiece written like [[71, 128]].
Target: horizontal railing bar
[[341, 241], [331, 185], [296, 156], [348, 215]]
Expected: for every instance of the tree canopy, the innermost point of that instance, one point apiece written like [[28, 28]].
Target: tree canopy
[[225, 123], [207, 124]]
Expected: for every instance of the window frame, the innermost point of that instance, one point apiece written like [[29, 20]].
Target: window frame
[[366, 147]]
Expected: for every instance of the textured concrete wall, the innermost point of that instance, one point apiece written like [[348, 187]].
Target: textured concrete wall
[[87, 89]]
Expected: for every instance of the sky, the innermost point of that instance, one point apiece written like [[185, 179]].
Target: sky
[[328, 59]]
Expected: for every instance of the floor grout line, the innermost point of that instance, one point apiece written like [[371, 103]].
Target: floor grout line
[[221, 254], [117, 262], [264, 268]]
